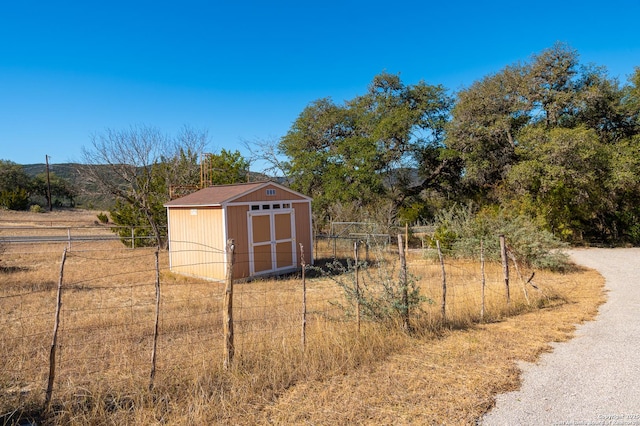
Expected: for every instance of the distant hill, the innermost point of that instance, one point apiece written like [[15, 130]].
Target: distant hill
[[88, 195]]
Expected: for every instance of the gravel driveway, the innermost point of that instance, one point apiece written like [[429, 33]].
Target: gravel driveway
[[593, 379]]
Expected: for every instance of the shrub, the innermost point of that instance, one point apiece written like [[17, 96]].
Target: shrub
[[460, 231], [103, 218], [15, 199], [381, 290], [36, 208]]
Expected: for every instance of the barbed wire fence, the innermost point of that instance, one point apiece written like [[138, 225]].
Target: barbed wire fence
[[99, 316]]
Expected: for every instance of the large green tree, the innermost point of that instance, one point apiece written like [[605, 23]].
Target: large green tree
[[551, 85], [558, 180], [379, 149], [551, 90], [227, 167], [557, 140], [487, 118], [631, 102], [553, 138]]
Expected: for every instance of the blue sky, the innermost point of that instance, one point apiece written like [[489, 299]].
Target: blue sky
[[244, 70]]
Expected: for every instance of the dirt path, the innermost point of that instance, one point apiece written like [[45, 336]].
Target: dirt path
[[593, 379]]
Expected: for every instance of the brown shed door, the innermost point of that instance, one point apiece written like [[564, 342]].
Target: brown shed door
[[272, 241], [283, 240], [261, 233]]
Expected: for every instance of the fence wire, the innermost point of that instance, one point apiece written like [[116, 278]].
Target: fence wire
[[107, 315]]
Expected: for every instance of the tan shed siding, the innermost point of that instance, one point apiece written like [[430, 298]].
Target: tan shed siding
[[239, 231], [303, 231], [197, 242], [261, 195]]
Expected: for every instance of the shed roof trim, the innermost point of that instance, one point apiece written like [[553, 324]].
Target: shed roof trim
[[221, 194]]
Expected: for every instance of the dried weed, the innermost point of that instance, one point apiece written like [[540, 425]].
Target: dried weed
[[448, 373]]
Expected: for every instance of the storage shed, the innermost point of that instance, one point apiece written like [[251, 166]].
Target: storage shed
[[267, 221]]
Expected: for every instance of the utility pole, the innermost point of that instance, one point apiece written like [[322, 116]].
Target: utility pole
[[46, 159]]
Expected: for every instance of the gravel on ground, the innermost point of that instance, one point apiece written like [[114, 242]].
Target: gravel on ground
[[593, 379]]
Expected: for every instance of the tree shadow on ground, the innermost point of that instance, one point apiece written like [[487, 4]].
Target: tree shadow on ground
[[12, 269]]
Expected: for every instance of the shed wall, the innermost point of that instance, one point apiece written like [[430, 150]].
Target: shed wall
[[238, 231], [197, 242], [303, 231], [198, 234]]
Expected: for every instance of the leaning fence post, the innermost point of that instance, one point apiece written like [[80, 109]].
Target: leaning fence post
[[304, 299], [228, 307], [54, 341], [524, 285], [505, 266], [155, 332]]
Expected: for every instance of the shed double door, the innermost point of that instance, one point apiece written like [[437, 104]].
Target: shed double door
[[272, 241]]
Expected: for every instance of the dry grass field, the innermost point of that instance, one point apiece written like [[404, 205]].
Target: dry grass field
[[445, 372]]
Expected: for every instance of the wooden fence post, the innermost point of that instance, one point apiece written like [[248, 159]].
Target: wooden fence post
[[483, 279], [505, 266], [304, 299], [357, 284], [406, 237], [155, 331], [316, 243], [403, 284], [443, 307], [54, 340], [228, 307]]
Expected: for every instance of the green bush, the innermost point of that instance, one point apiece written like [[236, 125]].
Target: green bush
[[103, 218], [36, 208], [381, 290], [15, 199], [461, 230]]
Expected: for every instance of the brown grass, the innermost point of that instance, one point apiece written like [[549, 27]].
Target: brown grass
[[444, 373], [451, 379]]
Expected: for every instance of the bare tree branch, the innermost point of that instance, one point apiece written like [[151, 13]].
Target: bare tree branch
[[266, 152]]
